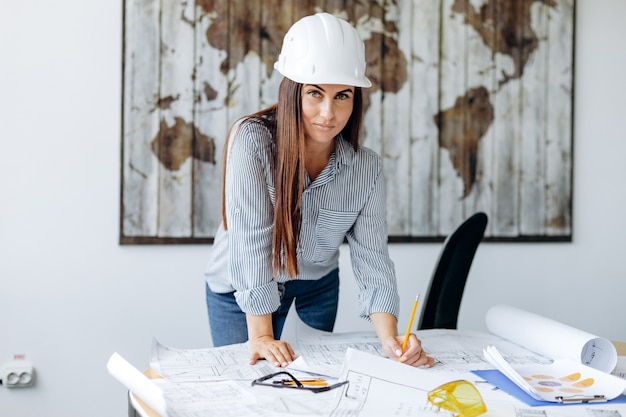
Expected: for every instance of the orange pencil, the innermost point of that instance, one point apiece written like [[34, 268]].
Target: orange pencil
[[408, 328], [314, 382]]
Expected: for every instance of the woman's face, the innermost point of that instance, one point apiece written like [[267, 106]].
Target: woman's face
[[326, 108]]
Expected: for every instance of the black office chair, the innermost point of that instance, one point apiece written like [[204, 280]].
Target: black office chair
[[443, 298]]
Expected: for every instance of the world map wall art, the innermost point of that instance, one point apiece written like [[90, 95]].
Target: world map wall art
[[470, 109]]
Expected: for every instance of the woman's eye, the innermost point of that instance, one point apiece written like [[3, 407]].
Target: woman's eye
[[314, 93], [343, 96]]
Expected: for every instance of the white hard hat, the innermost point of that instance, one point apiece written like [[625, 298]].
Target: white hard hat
[[323, 49]]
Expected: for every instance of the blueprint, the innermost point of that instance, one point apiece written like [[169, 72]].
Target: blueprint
[[206, 364], [217, 381]]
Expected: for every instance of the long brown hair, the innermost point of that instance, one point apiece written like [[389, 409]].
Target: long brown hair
[[284, 120]]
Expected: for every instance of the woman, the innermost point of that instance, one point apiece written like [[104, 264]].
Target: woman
[[296, 183]]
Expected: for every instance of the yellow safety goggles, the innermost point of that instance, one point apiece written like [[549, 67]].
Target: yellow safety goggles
[[461, 397]]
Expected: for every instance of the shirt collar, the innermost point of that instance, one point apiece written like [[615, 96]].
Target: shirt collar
[[342, 155], [344, 152]]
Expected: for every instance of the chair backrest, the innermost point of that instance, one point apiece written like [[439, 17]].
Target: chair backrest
[[443, 298]]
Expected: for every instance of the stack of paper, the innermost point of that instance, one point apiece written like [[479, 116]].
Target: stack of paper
[[563, 381]]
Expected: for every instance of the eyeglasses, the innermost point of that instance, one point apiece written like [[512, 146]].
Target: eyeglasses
[[461, 397], [293, 382]]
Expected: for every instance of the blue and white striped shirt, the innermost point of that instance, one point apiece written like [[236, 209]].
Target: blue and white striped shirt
[[347, 199]]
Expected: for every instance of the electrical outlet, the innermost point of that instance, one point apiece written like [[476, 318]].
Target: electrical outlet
[[17, 373]]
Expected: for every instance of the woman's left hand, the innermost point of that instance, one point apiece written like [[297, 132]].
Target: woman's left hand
[[414, 354]]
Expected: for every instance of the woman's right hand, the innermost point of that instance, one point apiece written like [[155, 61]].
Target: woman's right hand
[[276, 352]]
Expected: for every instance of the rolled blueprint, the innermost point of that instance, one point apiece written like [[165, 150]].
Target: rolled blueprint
[[137, 383], [551, 338]]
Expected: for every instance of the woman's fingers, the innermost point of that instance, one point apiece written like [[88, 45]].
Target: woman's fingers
[[415, 355], [276, 352]]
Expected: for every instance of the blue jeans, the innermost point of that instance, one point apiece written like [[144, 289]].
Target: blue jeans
[[316, 304]]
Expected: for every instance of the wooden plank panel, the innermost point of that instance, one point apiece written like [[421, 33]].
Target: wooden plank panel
[[423, 104], [507, 104], [559, 120], [174, 145], [299, 8], [396, 139], [244, 61], [338, 8], [478, 113], [451, 117], [369, 22], [141, 119], [276, 18], [210, 117], [533, 121]]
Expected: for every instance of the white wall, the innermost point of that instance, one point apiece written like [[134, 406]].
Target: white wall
[[70, 295]]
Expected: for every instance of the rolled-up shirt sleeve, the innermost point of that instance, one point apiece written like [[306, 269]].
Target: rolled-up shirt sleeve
[[249, 215], [372, 266]]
